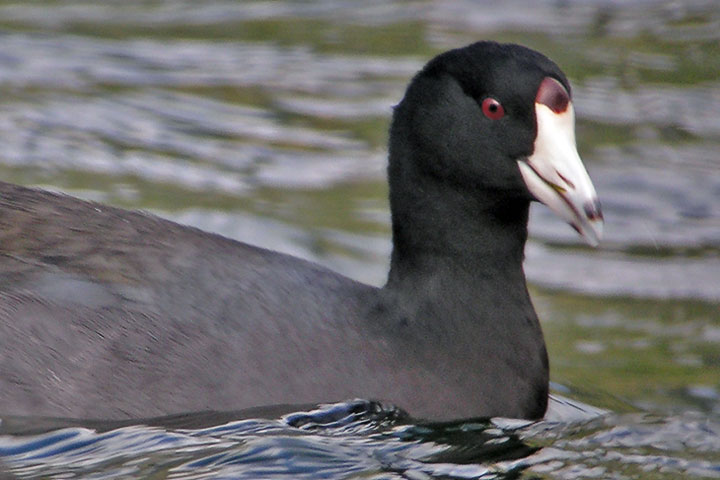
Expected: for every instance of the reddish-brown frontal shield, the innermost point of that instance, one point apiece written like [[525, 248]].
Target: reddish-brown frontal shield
[[553, 95]]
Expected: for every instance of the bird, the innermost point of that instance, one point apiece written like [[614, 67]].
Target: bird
[[116, 314]]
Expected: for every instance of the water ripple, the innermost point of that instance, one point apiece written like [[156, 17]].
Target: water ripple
[[367, 439]]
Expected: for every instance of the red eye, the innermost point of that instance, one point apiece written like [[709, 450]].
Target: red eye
[[492, 109]]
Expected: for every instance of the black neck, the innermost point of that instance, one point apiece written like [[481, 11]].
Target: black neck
[[465, 237], [456, 290]]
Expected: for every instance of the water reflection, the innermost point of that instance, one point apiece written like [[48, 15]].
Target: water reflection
[[364, 439]]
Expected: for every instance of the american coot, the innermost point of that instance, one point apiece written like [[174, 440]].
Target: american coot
[[106, 313]]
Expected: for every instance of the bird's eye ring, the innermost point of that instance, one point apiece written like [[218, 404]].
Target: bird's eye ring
[[492, 109]]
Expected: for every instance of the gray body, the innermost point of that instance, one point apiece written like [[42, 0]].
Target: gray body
[[106, 313]]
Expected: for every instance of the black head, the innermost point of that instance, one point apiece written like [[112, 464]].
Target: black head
[[482, 131], [442, 128]]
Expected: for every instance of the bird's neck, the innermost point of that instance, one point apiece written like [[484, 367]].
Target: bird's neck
[[456, 290], [464, 239]]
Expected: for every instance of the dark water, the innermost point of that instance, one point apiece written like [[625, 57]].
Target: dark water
[[366, 440], [266, 122]]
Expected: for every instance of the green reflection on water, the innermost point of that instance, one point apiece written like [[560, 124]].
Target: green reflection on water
[[641, 350], [397, 38]]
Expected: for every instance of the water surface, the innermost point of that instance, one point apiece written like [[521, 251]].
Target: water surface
[[267, 122]]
